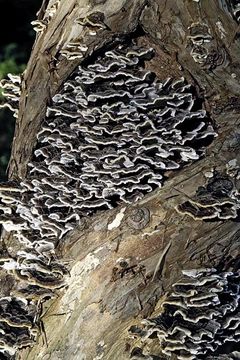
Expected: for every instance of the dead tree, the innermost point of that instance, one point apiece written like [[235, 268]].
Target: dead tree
[[125, 243]]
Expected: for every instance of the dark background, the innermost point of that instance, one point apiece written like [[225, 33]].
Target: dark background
[[16, 40]]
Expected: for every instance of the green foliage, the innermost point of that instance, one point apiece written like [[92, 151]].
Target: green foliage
[[9, 61], [10, 66]]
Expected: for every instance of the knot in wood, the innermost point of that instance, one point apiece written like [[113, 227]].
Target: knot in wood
[[138, 218]]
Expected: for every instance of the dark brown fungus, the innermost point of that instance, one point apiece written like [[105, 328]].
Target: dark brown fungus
[[16, 324], [200, 318], [218, 199], [234, 8]]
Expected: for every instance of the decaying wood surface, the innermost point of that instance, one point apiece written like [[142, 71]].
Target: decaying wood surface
[[90, 317]]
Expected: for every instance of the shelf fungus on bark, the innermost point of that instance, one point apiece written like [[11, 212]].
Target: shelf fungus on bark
[[11, 91], [109, 136], [204, 49], [51, 10], [199, 37], [234, 8], [17, 325], [219, 199], [76, 48], [40, 24], [112, 133], [199, 318]]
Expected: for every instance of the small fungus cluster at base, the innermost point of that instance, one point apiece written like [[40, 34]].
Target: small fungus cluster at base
[[109, 136], [200, 319]]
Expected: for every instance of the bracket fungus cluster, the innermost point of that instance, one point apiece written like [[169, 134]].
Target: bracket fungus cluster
[[234, 7], [76, 48], [200, 319], [11, 91], [34, 268], [114, 130], [219, 199], [109, 136], [17, 325], [40, 25]]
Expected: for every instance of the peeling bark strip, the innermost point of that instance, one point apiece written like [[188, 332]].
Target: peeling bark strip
[[113, 133]]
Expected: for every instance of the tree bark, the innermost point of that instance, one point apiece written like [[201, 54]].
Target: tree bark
[[90, 317]]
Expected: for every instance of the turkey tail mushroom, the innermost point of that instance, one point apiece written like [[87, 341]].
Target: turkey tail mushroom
[[199, 317]]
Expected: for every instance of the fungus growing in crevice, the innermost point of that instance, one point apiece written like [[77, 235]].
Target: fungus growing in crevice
[[219, 199], [76, 47], [199, 318], [109, 136], [74, 50], [204, 49], [199, 37]]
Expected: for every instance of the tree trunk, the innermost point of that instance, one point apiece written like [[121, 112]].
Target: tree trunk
[[123, 262]]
